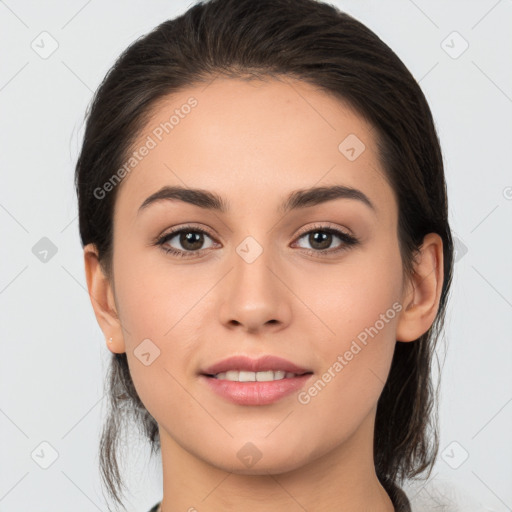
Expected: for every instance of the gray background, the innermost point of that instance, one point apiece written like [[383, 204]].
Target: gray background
[[53, 355]]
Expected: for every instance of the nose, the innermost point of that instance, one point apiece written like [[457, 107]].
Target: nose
[[255, 295]]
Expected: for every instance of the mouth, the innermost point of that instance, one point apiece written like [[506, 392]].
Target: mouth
[[231, 387], [245, 381], [245, 369], [261, 376]]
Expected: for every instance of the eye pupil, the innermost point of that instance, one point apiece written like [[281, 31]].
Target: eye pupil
[[188, 238], [323, 238]]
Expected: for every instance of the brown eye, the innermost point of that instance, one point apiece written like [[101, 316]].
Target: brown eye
[[191, 240], [321, 238], [188, 240]]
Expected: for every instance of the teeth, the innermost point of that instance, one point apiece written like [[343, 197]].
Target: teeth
[[244, 376]]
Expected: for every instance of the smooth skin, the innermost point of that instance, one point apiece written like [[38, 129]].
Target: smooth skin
[[253, 143]]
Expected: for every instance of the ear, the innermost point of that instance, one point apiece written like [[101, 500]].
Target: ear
[[422, 293], [102, 300]]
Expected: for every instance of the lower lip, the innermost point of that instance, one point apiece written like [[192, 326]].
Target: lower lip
[[256, 393]]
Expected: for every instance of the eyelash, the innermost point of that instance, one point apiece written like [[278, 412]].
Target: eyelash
[[348, 241]]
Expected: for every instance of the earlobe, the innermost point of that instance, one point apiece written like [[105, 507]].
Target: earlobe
[[102, 300], [421, 297]]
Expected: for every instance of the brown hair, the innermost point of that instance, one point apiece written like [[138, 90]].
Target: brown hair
[[319, 44]]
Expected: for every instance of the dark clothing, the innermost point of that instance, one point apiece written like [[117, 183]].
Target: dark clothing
[[398, 498]]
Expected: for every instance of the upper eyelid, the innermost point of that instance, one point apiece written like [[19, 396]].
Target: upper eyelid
[[327, 226], [318, 226], [176, 231]]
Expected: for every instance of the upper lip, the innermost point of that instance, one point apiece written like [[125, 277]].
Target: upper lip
[[263, 363]]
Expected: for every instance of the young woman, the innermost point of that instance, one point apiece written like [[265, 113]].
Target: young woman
[[264, 217]]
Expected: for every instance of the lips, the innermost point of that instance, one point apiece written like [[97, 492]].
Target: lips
[[261, 364]]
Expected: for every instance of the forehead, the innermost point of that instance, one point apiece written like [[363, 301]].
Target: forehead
[[252, 139]]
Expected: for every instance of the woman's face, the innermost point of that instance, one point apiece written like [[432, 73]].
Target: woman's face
[[266, 277]]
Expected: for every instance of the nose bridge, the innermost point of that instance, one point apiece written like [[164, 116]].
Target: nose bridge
[[253, 295], [253, 261]]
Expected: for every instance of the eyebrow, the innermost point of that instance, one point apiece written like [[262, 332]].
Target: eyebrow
[[297, 199]]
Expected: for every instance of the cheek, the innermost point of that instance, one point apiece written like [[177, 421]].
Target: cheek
[[156, 295], [164, 303], [352, 296], [361, 308]]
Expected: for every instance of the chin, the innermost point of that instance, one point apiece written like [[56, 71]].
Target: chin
[[249, 460]]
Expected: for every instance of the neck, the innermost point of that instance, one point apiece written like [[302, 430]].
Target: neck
[[345, 476]]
